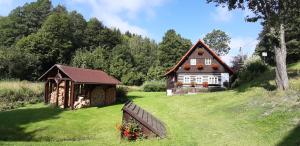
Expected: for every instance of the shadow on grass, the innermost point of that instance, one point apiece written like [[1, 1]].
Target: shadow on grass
[[293, 139], [12, 122]]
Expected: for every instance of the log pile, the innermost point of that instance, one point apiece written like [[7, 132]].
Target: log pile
[[61, 93], [81, 102]]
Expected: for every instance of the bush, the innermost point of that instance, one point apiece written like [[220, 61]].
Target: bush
[[122, 94], [14, 94], [252, 68], [154, 86]]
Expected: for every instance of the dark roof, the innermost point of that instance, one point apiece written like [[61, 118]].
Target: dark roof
[[191, 50], [81, 75], [145, 118]]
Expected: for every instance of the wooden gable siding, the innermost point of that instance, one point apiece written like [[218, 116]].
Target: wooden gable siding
[[201, 59]]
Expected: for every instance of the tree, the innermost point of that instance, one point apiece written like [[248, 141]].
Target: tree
[[121, 61], [52, 43], [96, 59], [144, 52], [78, 26], [274, 14], [292, 43], [218, 41], [23, 21], [172, 48]]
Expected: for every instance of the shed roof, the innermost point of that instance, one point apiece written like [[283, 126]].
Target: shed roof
[[145, 118], [174, 68], [81, 75]]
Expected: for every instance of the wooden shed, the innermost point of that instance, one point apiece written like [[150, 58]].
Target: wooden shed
[[73, 87], [151, 126]]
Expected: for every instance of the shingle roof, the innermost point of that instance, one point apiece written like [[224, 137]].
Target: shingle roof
[[191, 50], [81, 75], [145, 118]]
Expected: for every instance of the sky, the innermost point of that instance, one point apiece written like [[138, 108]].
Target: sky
[[192, 19]]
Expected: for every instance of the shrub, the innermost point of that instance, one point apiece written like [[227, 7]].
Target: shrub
[[122, 94], [131, 130], [252, 68], [14, 94], [200, 66], [154, 86], [187, 67]]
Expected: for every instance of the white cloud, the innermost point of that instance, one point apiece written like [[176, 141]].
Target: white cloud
[[247, 44], [221, 14], [114, 12]]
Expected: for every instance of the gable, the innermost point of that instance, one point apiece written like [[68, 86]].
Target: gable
[[193, 54]]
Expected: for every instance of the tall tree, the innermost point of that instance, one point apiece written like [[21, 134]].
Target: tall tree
[[52, 43], [23, 21], [144, 52], [172, 48], [219, 41], [274, 14]]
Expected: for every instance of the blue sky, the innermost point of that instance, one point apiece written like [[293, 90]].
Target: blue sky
[[152, 18]]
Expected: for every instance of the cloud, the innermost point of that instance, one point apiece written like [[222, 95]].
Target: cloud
[[247, 44], [221, 14], [117, 13]]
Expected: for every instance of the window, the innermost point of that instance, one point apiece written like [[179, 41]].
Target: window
[[207, 61], [199, 79], [186, 79], [213, 80], [205, 79], [193, 62]]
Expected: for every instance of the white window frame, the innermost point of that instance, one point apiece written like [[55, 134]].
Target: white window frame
[[186, 79], [205, 79], [199, 79], [193, 61], [213, 80], [207, 61]]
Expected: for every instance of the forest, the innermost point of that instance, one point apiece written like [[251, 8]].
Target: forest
[[38, 35]]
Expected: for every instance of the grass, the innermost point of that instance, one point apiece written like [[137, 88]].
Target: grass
[[253, 116], [14, 94]]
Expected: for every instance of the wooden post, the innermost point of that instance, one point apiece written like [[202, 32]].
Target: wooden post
[[46, 92], [72, 95], [66, 98], [57, 93]]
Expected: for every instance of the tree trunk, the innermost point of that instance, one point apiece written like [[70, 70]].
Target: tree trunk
[[282, 80]]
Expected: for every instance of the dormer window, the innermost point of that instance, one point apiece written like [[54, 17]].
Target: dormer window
[[207, 61], [193, 62]]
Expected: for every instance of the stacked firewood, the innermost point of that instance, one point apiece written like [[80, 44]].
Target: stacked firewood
[[81, 102]]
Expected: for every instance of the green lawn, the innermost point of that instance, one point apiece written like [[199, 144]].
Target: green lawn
[[253, 116], [223, 118]]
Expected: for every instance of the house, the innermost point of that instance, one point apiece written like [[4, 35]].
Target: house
[[73, 87], [200, 67]]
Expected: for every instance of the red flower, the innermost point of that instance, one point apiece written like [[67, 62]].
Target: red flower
[[126, 133], [186, 67], [215, 66], [200, 66]]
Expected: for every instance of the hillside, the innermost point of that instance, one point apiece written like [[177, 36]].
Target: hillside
[[250, 115]]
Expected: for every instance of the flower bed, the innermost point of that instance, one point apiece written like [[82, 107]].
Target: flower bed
[[131, 130]]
